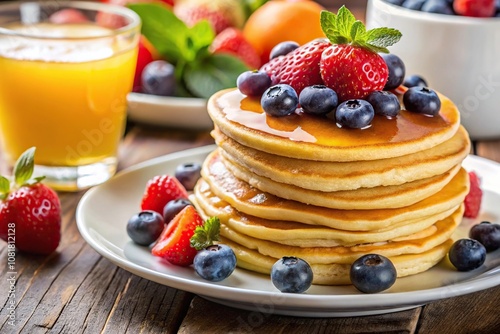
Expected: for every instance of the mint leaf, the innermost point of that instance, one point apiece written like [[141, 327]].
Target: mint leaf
[[206, 234], [167, 33], [345, 20], [24, 166], [4, 187], [212, 74], [343, 28], [383, 37], [358, 31], [201, 36]]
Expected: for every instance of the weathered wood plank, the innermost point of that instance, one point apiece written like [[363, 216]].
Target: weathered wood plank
[[207, 317], [473, 313]]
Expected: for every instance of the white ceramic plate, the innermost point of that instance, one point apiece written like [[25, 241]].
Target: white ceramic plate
[[179, 112], [104, 210]]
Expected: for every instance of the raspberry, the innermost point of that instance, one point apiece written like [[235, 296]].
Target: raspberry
[[473, 199]]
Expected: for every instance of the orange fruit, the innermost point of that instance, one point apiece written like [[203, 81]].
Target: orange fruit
[[281, 20]]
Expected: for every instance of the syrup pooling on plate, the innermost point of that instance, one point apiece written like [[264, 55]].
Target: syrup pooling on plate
[[405, 127]]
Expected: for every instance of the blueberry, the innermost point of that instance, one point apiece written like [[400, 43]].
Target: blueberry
[[215, 263], [188, 174], [372, 273], [487, 234], [384, 103], [253, 83], [318, 99], [422, 100], [467, 254], [438, 7], [356, 114], [145, 227], [413, 4], [158, 78], [283, 48], [280, 100], [172, 208], [415, 80], [291, 274], [396, 70]]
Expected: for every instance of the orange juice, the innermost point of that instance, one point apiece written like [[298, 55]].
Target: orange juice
[[67, 99]]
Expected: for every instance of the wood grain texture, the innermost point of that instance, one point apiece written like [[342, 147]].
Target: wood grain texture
[[207, 317]]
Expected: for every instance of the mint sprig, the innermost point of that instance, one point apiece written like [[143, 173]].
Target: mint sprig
[[207, 234], [198, 72], [343, 28]]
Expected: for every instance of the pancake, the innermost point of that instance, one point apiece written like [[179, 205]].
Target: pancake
[[335, 176], [414, 244], [304, 136], [338, 274], [252, 201], [303, 235], [388, 197]]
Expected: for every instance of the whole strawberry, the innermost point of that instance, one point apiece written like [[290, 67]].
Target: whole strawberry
[[30, 212], [160, 190], [352, 66], [272, 67], [301, 67], [232, 41]]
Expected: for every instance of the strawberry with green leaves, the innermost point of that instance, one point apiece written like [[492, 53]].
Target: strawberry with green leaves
[[214, 262], [174, 243], [351, 66], [30, 211]]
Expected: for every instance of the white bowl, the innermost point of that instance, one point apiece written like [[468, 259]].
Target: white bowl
[[169, 111], [458, 56]]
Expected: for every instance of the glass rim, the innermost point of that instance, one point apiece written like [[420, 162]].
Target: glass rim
[[135, 20]]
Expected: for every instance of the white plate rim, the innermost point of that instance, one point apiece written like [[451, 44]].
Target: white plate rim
[[289, 304]]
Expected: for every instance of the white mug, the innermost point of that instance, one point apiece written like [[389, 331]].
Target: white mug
[[458, 56]]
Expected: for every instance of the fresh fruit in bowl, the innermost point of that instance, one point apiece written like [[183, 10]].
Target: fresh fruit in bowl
[[472, 8], [199, 71]]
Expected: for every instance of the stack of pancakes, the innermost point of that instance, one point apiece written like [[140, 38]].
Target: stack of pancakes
[[302, 186]]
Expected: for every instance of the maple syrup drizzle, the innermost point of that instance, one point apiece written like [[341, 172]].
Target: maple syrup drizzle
[[302, 127]]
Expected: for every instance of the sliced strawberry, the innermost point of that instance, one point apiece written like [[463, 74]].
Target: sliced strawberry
[[30, 213], [160, 190], [173, 244], [301, 67], [473, 199], [232, 41]]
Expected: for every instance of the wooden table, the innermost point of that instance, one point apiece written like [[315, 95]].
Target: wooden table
[[75, 290]]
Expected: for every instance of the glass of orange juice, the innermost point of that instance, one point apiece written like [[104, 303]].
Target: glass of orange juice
[[65, 71]]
